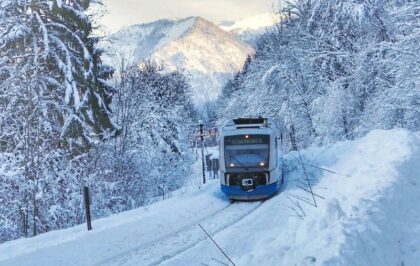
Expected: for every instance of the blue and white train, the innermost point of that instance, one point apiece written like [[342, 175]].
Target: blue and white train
[[251, 165]]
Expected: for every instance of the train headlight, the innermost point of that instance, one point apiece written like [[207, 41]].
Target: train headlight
[[262, 164], [231, 165]]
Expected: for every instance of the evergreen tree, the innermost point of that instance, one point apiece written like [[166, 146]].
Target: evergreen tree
[[55, 101], [91, 92]]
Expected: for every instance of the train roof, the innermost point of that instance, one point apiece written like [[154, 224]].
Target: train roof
[[249, 122]]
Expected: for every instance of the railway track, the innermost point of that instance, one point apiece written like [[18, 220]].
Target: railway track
[[168, 247]]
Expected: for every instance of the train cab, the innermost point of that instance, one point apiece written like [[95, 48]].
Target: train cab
[[250, 159]]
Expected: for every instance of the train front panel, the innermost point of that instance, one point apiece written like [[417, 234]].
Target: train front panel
[[250, 168]]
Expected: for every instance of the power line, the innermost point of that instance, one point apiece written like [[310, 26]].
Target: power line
[[221, 250]]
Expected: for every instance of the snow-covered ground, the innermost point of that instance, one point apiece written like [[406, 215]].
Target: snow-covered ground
[[368, 213]]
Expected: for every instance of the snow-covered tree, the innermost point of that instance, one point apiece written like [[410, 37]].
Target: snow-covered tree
[[151, 155], [334, 70], [54, 101]]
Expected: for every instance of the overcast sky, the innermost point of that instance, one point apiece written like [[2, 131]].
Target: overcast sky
[[128, 12]]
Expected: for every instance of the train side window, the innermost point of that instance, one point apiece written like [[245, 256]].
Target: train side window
[[276, 150]]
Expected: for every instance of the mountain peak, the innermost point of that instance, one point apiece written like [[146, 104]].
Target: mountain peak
[[249, 29], [256, 22]]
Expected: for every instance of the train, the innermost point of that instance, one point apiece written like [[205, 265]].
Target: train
[[250, 159]]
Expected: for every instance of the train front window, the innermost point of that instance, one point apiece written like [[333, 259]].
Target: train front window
[[244, 151]]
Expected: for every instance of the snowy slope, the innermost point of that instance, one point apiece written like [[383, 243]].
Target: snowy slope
[[368, 213], [249, 29], [208, 55]]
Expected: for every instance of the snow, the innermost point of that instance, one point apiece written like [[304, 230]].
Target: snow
[[208, 56], [114, 235], [249, 29], [369, 213], [271, 235], [257, 22], [176, 32]]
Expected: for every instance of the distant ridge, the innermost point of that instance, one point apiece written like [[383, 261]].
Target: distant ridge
[[249, 29]]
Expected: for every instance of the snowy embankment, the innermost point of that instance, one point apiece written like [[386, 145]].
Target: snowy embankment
[[368, 213]]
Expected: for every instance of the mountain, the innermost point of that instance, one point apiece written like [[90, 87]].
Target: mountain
[[208, 55], [249, 29]]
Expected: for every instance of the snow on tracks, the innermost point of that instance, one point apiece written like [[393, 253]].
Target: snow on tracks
[[159, 251]]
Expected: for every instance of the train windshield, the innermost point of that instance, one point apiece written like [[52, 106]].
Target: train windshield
[[242, 151]]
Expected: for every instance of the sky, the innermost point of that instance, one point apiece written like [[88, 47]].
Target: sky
[[128, 12]]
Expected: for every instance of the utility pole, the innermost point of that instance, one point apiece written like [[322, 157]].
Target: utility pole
[[202, 150], [87, 201]]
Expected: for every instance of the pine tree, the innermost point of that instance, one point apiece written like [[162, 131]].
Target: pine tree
[[91, 97], [55, 102]]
